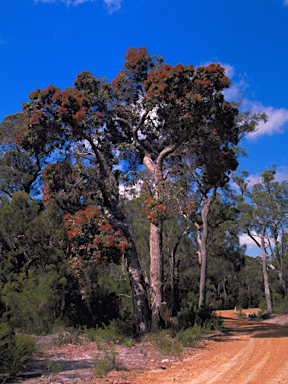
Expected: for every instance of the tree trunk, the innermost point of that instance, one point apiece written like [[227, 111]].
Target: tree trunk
[[116, 215], [278, 257], [265, 272], [202, 241], [156, 274], [174, 279], [138, 289], [155, 241], [203, 272], [282, 283], [279, 261]]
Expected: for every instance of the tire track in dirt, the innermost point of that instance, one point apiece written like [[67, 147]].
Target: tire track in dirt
[[247, 352]]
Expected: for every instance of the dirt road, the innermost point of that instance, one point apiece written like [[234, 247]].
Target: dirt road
[[246, 352]]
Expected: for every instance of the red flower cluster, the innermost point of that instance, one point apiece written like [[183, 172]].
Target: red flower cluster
[[92, 236], [157, 211]]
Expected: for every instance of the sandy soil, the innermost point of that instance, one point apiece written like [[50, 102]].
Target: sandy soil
[[245, 352]]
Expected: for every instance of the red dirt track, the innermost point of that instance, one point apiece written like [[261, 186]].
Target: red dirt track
[[246, 352]]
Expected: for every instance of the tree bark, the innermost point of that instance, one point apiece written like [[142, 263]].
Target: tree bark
[[265, 272], [156, 274], [138, 289], [174, 279], [202, 241], [114, 212]]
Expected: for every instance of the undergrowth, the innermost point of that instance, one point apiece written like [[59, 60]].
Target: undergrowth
[[105, 361], [116, 332], [16, 351]]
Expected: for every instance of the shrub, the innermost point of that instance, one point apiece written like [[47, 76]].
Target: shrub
[[30, 302], [17, 353], [190, 316], [53, 368], [166, 342], [104, 362], [116, 332], [280, 305], [68, 336], [190, 337], [241, 315]]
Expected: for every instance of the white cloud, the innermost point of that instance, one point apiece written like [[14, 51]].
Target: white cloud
[[229, 70], [66, 2], [281, 175], [246, 240], [277, 119], [236, 90], [113, 5], [130, 192], [285, 2]]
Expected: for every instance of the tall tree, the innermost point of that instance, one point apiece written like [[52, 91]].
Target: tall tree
[[175, 113], [151, 114], [264, 207]]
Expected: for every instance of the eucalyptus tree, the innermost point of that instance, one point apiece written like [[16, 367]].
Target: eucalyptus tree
[[264, 209], [177, 114], [152, 114]]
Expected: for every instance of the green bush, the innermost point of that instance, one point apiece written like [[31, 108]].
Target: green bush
[[189, 316], [165, 341], [169, 346], [105, 362], [67, 336], [30, 302], [116, 332], [5, 336], [190, 337], [16, 352], [53, 368], [280, 304]]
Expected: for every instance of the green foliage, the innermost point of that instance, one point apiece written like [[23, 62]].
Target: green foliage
[[166, 342], [19, 168], [105, 361], [190, 337], [264, 211], [67, 336], [190, 316], [16, 351], [5, 337], [117, 332], [53, 368], [30, 302], [280, 304]]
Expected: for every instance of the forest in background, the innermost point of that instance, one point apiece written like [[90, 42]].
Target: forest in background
[[119, 201]]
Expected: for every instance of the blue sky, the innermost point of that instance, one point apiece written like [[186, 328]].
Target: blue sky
[[46, 42]]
